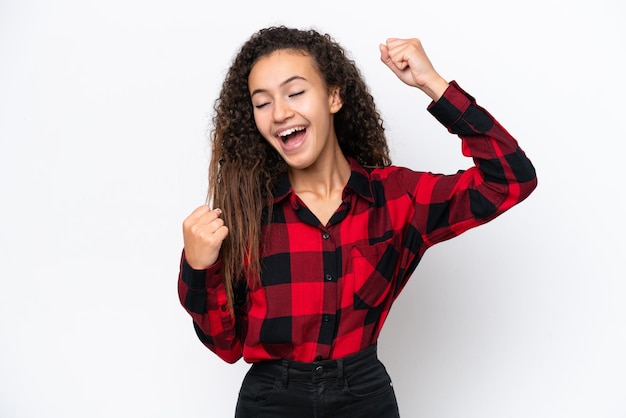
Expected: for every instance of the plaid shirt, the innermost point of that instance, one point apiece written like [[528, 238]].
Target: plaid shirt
[[326, 290]]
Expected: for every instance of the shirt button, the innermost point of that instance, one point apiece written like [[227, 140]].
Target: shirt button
[[325, 318], [326, 235], [318, 358], [329, 277]]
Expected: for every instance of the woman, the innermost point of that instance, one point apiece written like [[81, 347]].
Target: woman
[[314, 232]]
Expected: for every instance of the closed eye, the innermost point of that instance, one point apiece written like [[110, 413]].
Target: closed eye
[[296, 94]]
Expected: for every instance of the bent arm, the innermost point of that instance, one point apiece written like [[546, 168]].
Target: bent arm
[[203, 295], [502, 175]]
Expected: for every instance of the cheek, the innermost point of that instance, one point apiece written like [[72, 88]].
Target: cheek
[[257, 120], [261, 126]]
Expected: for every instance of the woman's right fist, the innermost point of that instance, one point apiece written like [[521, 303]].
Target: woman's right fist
[[203, 234]]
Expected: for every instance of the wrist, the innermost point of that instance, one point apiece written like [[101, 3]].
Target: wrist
[[435, 88]]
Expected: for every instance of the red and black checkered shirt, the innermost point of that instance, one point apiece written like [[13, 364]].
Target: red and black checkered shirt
[[327, 289]]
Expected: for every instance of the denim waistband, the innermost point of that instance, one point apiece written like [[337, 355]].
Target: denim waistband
[[316, 370]]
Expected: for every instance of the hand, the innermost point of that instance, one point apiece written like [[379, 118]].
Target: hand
[[407, 59], [203, 233]]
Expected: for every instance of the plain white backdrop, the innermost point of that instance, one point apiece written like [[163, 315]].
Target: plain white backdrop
[[104, 113]]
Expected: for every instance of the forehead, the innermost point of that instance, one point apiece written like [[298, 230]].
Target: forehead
[[275, 68]]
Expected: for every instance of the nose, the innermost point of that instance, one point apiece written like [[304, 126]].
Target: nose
[[281, 111]]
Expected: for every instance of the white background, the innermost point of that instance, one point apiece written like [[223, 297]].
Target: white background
[[104, 114]]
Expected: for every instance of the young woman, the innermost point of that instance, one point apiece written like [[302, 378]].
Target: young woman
[[314, 233]]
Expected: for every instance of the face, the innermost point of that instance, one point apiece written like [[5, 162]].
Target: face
[[293, 108]]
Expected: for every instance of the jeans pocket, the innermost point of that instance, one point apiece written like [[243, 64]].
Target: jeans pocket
[[369, 381], [258, 388]]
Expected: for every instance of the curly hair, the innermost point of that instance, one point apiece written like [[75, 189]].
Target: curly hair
[[244, 168]]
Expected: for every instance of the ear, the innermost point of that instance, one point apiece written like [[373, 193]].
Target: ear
[[334, 100]]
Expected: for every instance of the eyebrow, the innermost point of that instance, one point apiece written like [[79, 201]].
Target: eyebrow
[[289, 80]]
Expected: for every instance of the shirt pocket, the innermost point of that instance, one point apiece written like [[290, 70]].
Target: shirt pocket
[[374, 270]]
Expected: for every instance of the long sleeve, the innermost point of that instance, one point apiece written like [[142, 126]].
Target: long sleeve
[[203, 295], [502, 175]]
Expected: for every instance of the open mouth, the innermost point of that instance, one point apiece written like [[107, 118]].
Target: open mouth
[[292, 136]]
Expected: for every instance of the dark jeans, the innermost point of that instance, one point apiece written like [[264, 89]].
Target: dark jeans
[[353, 387]]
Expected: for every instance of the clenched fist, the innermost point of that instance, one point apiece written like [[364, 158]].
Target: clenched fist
[[407, 59], [203, 233]]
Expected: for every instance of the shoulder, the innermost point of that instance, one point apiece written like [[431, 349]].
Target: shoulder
[[394, 181], [392, 173]]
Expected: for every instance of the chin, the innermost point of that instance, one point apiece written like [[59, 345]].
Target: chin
[[297, 164]]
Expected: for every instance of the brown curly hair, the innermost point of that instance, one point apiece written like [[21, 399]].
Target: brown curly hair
[[244, 168]]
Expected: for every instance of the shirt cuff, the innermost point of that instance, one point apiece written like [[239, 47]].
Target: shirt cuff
[[202, 279], [451, 105]]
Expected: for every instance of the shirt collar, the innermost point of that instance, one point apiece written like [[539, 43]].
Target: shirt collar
[[359, 182]]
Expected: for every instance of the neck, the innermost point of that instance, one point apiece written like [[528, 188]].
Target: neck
[[325, 178]]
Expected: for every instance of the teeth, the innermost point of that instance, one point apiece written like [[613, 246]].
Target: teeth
[[290, 131]]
